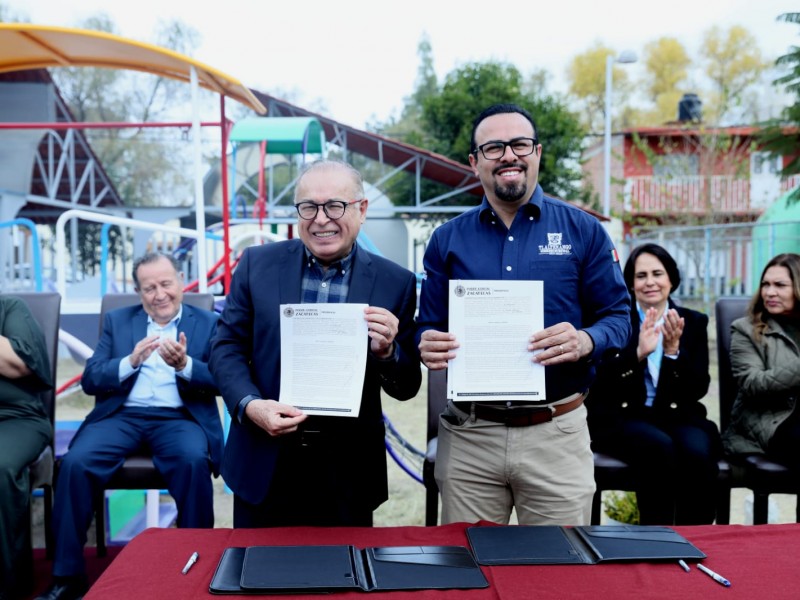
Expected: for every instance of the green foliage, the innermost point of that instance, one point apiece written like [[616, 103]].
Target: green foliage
[[447, 120], [623, 507], [410, 129], [440, 119], [781, 137], [427, 83], [448, 116]]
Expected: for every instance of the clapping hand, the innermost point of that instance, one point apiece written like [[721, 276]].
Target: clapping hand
[[672, 329], [648, 334]]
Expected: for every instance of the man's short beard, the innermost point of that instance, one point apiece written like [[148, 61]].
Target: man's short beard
[[510, 193]]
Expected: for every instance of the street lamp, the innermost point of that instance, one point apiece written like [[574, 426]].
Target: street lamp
[[626, 56]]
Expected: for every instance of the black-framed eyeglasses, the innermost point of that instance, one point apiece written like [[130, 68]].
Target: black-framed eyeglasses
[[334, 209], [521, 146]]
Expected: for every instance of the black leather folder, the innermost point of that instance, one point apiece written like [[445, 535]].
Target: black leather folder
[[554, 545], [323, 569], [228, 573]]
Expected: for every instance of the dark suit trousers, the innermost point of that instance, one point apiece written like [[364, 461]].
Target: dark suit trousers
[[783, 447], [180, 452], [307, 489], [676, 464]]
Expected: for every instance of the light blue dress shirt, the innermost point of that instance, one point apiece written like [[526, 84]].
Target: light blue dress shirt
[[156, 386]]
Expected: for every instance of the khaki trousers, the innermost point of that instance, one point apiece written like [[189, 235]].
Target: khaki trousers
[[545, 472]]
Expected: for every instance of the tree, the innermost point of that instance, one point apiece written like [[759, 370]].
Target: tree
[[408, 128], [692, 171], [666, 65], [586, 75], [781, 137], [145, 169], [440, 119], [447, 118], [733, 63], [427, 85], [730, 60]]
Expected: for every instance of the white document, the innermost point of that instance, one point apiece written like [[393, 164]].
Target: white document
[[323, 357], [492, 322]]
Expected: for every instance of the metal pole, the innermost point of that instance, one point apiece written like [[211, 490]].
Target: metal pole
[[200, 216], [707, 274], [96, 217], [226, 252], [607, 140]]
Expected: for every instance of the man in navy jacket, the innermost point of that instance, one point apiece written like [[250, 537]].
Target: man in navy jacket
[[531, 457]]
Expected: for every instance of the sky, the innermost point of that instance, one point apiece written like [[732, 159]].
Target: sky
[[356, 60]]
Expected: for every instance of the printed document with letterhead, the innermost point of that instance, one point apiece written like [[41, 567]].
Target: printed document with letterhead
[[493, 322], [323, 357]]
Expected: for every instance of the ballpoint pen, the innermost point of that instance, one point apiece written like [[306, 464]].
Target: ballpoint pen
[[192, 559], [683, 565], [715, 576]]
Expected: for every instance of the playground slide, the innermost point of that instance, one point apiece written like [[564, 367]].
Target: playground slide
[[79, 351]]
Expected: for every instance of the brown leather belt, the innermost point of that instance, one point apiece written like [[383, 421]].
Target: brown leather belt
[[523, 416]]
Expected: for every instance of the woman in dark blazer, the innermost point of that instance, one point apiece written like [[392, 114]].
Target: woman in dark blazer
[[644, 407]]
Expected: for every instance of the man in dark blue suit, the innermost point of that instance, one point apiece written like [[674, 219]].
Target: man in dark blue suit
[[286, 467], [153, 391]]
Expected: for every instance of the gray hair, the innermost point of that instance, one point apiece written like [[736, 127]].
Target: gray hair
[[358, 182], [152, 257]]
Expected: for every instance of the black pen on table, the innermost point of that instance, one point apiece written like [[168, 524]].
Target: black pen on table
[[715, 576], [192, 559]]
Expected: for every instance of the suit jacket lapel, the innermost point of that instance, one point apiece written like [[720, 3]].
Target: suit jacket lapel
[[364, 274], [187, 325], [290, 277]]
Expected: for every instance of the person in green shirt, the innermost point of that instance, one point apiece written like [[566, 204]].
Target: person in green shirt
[[25, 431]]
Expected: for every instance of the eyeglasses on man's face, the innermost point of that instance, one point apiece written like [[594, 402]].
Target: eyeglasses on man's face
[[521, 146], [334, 209]]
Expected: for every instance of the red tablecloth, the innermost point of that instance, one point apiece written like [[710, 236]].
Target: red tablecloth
[[760, 561]]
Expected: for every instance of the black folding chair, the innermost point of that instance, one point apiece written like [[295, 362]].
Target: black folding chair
[[761, 475], [46, 309]]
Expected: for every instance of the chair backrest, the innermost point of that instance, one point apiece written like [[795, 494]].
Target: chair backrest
[[46, 309], [727, 310], [437, 400], [112, 301]]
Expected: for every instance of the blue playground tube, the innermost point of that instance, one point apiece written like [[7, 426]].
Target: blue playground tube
[[37, 259]]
